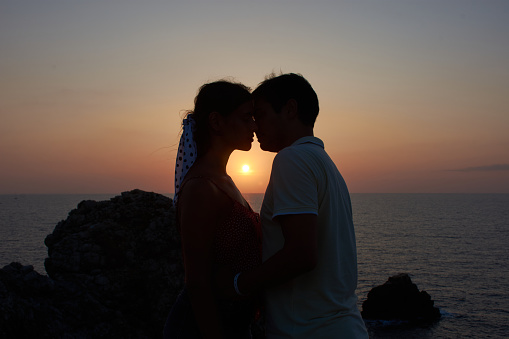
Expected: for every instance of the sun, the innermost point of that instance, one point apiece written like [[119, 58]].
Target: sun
[[245, 168]]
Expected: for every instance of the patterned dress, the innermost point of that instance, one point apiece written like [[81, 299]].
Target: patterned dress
[[237, 246]]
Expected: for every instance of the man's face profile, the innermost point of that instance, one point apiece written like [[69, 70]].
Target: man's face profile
[[269, 126]]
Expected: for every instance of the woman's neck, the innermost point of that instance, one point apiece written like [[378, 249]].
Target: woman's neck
[[215, 161]]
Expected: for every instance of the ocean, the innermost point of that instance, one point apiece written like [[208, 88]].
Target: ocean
[[454, 246]]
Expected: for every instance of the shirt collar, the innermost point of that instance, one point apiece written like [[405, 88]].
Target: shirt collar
[[309, 139]]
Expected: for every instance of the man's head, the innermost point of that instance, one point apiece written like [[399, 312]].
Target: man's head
[[286, 107]]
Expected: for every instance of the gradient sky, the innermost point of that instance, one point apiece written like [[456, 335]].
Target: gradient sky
[[414, 95]]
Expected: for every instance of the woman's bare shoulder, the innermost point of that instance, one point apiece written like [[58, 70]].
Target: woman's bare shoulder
[[201, 192], [200, 207], [199, 186]]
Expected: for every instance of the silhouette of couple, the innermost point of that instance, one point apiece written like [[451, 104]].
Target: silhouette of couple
[[292, 270]]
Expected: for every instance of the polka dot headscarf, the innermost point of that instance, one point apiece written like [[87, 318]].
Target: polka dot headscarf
[[186, 154]]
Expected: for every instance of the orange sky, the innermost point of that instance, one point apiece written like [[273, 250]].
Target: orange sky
[[413, 94]]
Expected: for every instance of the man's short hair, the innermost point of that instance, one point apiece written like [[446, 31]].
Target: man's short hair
[[278, 89]]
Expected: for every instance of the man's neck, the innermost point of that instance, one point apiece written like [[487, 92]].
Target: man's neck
[[297, 134]]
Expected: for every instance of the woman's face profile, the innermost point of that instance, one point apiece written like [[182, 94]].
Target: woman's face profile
[[240, 127]]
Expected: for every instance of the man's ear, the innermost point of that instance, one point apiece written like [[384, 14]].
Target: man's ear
[[291, 109], [215, 121]]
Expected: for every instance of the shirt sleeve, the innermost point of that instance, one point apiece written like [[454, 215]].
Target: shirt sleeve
[[294, 184]]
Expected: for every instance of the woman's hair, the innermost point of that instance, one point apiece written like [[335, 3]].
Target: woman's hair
[[222, 96]]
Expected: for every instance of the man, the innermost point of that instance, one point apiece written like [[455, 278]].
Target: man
[[309, 272]]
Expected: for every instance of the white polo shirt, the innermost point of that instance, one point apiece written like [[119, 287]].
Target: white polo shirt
[[321, 303]]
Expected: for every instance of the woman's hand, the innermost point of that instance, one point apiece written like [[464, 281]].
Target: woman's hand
[[224, 277]]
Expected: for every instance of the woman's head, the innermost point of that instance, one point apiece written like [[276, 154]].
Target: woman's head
[[223, 110], [224, 98]]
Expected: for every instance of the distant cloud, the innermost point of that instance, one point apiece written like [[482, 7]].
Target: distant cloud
[[496, 167]]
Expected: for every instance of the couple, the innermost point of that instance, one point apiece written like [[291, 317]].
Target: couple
[[298, 263]]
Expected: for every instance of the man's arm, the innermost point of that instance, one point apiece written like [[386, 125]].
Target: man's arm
[[298, 255]]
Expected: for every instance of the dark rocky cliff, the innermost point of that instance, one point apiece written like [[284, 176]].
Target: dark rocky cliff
[[399, 299], [114, 269]]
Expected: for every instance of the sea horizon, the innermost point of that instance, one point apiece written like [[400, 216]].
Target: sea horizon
[[170, 194]]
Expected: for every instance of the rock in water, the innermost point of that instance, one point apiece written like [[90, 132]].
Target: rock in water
[[399, 299], [114, 270]]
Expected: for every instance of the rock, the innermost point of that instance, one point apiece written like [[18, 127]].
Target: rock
[[114, 270], [399, 299]]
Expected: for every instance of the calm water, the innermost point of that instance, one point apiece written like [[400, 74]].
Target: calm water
[[454, 246]]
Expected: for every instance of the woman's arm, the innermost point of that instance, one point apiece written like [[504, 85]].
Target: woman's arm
[[199, 213], [297, 257]]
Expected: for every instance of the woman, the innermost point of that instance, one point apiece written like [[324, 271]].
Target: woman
[[219, 230]]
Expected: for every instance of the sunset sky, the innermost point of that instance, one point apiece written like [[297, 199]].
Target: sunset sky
[[414, 94]]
